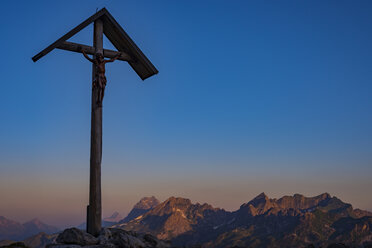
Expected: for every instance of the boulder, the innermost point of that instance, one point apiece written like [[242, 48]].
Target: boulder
[[108, 238], [15, 245], [62, 246], [77, 237], [338, 245]]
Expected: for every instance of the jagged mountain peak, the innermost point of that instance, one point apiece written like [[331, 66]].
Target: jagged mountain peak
[[325, 195], [261, 198], [171, 205], [115, 217], [147, 203], [141, 207], [298, 216], [10, 229], [176, 204], [298, 201], [176, 216], [262, 204], [177, 201], [258, 205]]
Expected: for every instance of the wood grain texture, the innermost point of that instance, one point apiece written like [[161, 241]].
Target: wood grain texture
[[118, 37], [69, 34], [95, 202], [75, 47], [121, 41]]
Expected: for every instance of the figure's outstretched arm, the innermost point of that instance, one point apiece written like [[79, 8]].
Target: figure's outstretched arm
[[113, 59], [86, 56]]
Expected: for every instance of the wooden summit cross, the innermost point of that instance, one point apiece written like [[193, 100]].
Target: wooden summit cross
[[128, 51]]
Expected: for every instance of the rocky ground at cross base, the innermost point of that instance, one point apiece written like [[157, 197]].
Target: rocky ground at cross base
[[108, 238]]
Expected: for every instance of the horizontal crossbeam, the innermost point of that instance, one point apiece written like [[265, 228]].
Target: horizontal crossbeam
[[79, 48]]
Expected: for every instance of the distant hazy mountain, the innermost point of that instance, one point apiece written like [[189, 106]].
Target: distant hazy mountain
[[106, 222], [10, 229], [291, 221], [115, 217], [141, 207], [36, 226], [13, 230]]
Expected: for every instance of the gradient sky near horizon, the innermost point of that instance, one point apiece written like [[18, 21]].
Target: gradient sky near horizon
[[251, 97]]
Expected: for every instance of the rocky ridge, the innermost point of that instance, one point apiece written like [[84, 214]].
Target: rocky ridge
[[108, 238], [141, 207], [290, 221]]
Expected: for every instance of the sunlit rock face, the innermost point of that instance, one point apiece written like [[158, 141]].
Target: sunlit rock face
[[141, 207], [290, 221]]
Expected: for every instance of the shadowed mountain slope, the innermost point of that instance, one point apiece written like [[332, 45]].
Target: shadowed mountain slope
[[291, 221]]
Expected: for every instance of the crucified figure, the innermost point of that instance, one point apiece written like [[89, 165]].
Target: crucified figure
[[100, 78]]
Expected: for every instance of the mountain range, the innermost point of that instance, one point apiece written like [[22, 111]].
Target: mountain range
[[291, 221], [13, 230]]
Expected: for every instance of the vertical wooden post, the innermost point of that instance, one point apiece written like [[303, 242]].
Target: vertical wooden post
[[94, 211]]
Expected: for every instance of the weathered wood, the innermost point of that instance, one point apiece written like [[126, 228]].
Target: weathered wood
[[104, 23], [118, 37], [69, 34], [121, 41], [95, 205], [75, 47]]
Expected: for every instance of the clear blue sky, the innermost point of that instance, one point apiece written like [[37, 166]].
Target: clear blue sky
[[251, 96]]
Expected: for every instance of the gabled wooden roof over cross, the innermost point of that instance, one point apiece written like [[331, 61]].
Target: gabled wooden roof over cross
[[118, 37]]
